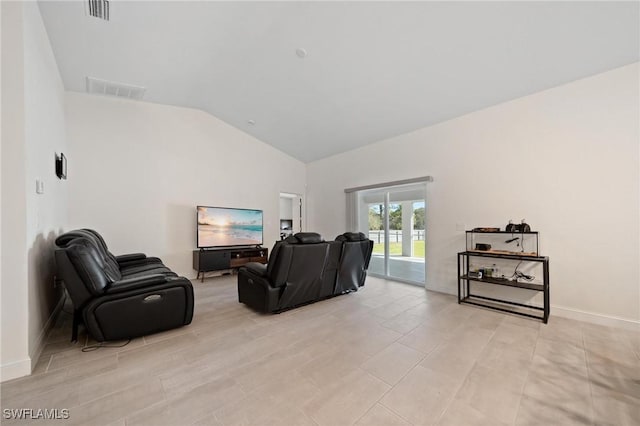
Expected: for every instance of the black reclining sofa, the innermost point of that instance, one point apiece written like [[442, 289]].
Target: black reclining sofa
[[119, 297], [303, 269]]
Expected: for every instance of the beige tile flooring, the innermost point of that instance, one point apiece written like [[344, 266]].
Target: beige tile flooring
[[390, 354]]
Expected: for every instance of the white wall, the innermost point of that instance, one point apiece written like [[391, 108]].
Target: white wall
[[566, 159], [2, 86], [45, 136], [14, 292], [137, 171], [33, 130]]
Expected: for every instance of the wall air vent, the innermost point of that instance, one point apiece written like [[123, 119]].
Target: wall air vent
[[98, 9], [111, 88]]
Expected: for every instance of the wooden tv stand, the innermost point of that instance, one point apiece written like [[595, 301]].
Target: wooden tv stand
[[222, 259]]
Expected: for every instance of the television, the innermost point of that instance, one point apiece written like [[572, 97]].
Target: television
[[225, 227]]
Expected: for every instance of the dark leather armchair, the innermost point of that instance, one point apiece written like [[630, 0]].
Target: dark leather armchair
[[303, 269], [354, 261], [292, 277], [120, 297]]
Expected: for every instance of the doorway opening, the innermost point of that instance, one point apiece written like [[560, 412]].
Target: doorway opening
[[394, 218], [290, 214]]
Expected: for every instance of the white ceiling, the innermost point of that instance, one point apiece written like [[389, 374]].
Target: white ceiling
[[373, 69]]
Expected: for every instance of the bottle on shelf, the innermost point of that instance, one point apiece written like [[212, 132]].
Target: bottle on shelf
[[488, 272]]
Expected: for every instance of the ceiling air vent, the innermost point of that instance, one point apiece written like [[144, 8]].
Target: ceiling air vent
[[111, 88], [98, 9]]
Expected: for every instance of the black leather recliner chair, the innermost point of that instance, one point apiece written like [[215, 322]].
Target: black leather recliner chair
[[303, 269], [119, 297], [354, 261], [293, 276]]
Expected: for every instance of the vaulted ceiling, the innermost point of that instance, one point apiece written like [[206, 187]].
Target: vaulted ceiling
[[372, 70]]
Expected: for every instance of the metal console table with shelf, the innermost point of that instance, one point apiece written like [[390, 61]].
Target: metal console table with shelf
[[465, 278]]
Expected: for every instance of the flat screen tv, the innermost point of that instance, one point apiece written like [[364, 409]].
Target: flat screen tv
[[225, 227]]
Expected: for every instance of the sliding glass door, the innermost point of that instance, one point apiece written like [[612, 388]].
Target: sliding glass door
[[394, 218], [376, 231]]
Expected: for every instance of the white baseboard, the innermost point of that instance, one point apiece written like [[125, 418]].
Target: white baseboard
[[40, 341], [25, 366], [15, 369], [443, 290], [593, 318], [576, 314]]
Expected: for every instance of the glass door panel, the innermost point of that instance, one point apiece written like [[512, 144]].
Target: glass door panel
[[376, 232], [394, 218], [406, 259], [406, 242]]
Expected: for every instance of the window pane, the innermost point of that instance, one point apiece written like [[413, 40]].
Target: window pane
[[376, 233]]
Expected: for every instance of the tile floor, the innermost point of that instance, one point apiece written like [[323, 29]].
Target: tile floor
[[390, 354]]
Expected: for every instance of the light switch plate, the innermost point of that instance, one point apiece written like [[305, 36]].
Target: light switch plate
[[39, 186]]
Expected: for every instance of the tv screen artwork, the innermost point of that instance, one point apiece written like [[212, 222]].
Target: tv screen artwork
[[220, 226]]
